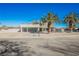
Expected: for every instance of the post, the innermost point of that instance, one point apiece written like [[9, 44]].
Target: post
[[38, 29], [27, 29], [20, 28]]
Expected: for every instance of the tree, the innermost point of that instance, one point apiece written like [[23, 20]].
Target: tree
[[51, 18], [71, 20]]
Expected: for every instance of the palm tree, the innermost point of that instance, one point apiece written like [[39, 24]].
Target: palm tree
[[71, 20], [51, 18]]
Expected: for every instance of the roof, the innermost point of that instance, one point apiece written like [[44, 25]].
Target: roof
[[29, 25]]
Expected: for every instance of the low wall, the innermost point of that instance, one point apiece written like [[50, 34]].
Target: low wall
[[10, 30]]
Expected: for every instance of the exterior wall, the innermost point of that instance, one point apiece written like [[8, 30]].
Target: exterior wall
[[9, 30], [29, 27]]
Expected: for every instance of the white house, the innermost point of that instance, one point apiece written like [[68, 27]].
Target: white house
[[29, 27]]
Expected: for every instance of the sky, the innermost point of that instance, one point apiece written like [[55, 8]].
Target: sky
[[14, 14]]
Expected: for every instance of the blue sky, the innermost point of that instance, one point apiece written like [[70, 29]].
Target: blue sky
[[12, 14]]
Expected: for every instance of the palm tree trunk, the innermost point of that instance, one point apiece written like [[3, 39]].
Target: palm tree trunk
[[49, 27], [71, 30], [71, 27]]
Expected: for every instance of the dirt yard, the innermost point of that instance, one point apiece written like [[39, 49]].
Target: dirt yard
[[53, 44]]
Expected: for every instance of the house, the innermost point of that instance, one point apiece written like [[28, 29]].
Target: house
[[29, 27], [33, 27]]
